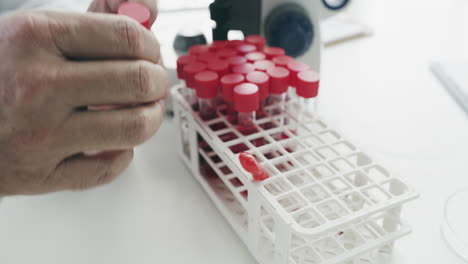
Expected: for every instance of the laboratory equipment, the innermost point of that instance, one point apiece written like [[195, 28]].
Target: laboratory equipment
[[453, 76], [295, 192]]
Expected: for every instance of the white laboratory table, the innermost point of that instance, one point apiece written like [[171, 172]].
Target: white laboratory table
[[378, 91]]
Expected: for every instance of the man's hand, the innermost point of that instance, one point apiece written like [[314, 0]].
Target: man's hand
[[53, 66], [111, 6]]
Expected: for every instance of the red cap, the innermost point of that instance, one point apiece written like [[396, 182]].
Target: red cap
[[243, 68], [207, 56], [190, 70], [295, 67], [283, 61], [228, 82], [237, 60], [136, 11], [198, 49], [308, 84], [279, 80], [246, 48], [246, 98], [218, 45], [227, 53], [251, 165], [255, 56], [256, 40], [262, 80], [272, 52], [235, 43], [181, 62], [207, 84], [221, 67], [263, 65]]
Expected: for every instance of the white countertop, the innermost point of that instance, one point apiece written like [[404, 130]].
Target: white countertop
[[378, 91]]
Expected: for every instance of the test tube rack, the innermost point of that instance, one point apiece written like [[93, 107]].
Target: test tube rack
[[326, 201]]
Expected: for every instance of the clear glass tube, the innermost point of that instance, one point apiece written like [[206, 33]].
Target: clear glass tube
[[276, 103], [207, 108], [231, 113], [191, 97], [246, 123]]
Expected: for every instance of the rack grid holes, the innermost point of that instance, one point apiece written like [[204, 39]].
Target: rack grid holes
[[313, 141], [332, 210], [328, 248], [377, 173], [337, 186], [225, 170], [316, 126], [354, 201], [292, 146], [321, 172], [238, 148], [236, 182], [349, 239], [285, 165], [360, 160], [315, 193], [306, 255], [376, 195], [395, 187], [228, 137], [260, 141], [357, 178], [307, 158], [344, 147], [299, 178], [218, 126], [327, 153], [292, 202], [329, 136], [342, 165], [277, 187], [308, 218]]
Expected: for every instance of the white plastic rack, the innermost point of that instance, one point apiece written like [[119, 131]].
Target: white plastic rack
[[326, 201]]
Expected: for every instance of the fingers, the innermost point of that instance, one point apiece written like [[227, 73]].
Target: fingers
[[82, 172], [111, 6], [115, 129], [111, 82], [101, 36]]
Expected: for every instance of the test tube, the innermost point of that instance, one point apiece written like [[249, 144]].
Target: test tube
[[246, 103], [252, 57], [228, 82], [207, 56], [307, 90], [227, 53], [263, 65], [279, 83], [221, 67], [272, 52], [207, 86], [189, 72], [183, 61], [245, 49], [295, 67], [244, 68], [137, 11], [262, 80], [196, 50], [236, 61], [256, 40]]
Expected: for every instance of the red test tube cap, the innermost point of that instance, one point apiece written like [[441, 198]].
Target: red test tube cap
[[272, 52], [245, 68], [228, 82], [308, 84], [136, 11], [198, 49], [262, 80], [246, 48], [295, 67], [190, 70], [263, 65], [207, 84], [235, 43], [207, 56], [282, 61], [181, 62], [218, 45], [255, 56], [227, 53], [256, 40], [236, 60], [246, 98], [221, 67], [279, 80]]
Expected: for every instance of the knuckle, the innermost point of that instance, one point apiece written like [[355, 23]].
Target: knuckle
[[24, 26], [131, 35], [145, 85], [140, 129]]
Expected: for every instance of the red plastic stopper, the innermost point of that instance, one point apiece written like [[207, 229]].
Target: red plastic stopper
[[190, 70], [208, 56], [236, 61], [295, 67], [221, 67], [246, 48], [255, 56], [251, 165], [308, 84], [207, 84], [246, 98], [136, 11], [243, 68], [283, 61], [218, 45], [263, 65], [262, 80], [279, 80], [198, 49], [235, 43], [256, 40], [228, 82], [272, 52], [227, 53], [181, 62]]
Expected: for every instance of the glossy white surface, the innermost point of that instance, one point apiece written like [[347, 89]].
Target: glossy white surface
[[377, 91]]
